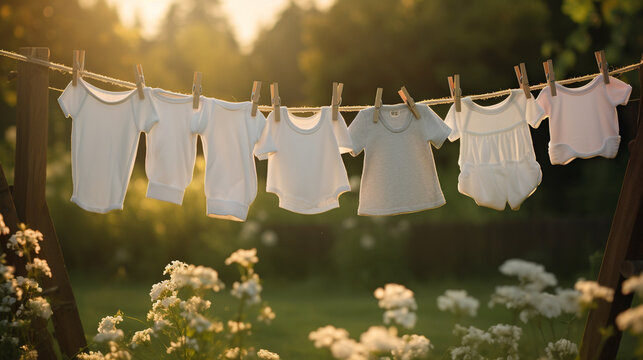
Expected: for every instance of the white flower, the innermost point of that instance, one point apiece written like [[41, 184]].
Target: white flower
[[183, 342], [25, 239], [237, 326], [162, 289], [141, 337], [107, 330], [632, 320], [506, 338], [269, 238], [233, 353], [28, 353], [511, 297], [168, 302], [326, 336], [250, 290], [634, 284], [197, 277], [39, 266], [115, 353], [569, 301], [267, 355], [547, 305], [91, 356], [413, 347], [40, 307], [394, 296], [458, 302], [402, 316], [348, 349], [562, 349], [4, 230], [531, 275], [245, 258], [367, 241], [591, 290], [472, 336], [266, 315], [380, 339], [172, 267], [193, 305]]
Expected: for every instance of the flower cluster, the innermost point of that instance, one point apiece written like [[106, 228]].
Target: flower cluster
[[562, 349], [458, 302], [182, 321], [500, 340], [399, 303], [21, 298], [632, 319], [379, 342]]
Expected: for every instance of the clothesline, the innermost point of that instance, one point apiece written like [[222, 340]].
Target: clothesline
[[353, 108]]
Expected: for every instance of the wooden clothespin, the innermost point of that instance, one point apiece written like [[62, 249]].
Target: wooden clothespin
[[140, 80], [549, 76], [196, 89], [408, 100], [276, 101], [256, 94], [456, 93], [601, 60], [337, 98], [523, 81], [378, 104], [78, 66]]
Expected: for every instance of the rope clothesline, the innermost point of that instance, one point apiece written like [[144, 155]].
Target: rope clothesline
[[437, 101]]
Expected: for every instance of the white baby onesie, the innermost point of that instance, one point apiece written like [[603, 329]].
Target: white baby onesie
[[104, 138], [583, 121], [171, 147], [497, 160], [399, 173], [305, 168], [229, 134]]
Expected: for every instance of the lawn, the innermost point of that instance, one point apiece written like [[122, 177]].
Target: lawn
[[304, 306]]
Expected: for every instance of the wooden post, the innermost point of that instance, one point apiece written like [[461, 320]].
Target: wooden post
[[29, 195], [623, 244]]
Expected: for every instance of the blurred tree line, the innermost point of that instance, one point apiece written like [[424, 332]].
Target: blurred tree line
[[364, 44]]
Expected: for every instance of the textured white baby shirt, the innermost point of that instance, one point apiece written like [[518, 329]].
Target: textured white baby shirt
[[104, 137], [497, 160], [229, 134], [399, 173], [305, 167], [583, 121], [171, 147]]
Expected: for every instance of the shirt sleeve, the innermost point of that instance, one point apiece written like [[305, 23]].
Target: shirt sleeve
[[534, 113], [544, 101], [341, 134], [200, 117], [358, 132], [266, 144], [71, 99], [145, 114], [258, 124], [451, 122], [435, 130], [618, 91]]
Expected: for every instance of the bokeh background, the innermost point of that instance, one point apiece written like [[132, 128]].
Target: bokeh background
[[323, 268]]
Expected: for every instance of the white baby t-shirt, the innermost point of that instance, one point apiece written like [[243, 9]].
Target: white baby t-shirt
[[104, 137], [497, 160], [583, 121], [305, 167], [229, 133], [399, 173], [171, 147]]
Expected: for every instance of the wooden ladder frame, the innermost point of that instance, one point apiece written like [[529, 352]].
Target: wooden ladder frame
[[26, 203]]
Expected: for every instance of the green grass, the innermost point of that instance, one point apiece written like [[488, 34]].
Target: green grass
[[305, 306]]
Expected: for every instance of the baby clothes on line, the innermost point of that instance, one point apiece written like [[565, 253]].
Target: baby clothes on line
[[497, 160], [104, 137], [399, 173], [229, 134], [583, 121], [171, 147], [305, 167]]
